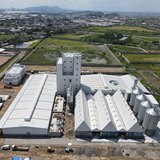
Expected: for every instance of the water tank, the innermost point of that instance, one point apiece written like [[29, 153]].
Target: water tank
[[138, 100], [144, 105], [69, 96], [134, 93], [150, 121], [69, 146]]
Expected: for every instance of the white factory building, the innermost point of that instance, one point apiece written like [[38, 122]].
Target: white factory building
[[104, 106], [30, 112], [15, 74], [105, 116]]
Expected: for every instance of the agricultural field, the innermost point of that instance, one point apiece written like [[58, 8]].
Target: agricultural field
[[143, 58], [148, 39], [71, 36], [48, 50], [131, 30], [2, 37], [122, 48], [151, 43], [150, 77]]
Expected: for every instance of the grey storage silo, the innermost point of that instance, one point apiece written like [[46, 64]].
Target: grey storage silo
[[144, 105], [127, 95], [134, 93], [138, 100], [150, 121]]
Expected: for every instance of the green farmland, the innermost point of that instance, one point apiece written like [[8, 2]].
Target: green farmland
[[143, 58], [48, 50], [121, 48], [131, 30], [71, 36]]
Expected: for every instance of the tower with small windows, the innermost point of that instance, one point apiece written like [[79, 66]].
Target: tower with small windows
[[69, 73]]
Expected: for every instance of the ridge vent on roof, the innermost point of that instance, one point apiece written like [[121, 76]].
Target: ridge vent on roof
[[29, 114]]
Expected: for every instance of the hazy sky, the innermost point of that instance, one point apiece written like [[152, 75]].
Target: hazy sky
[[101, 5]]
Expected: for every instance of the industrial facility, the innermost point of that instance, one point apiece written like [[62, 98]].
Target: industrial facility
[[104, 106], [15, 75]]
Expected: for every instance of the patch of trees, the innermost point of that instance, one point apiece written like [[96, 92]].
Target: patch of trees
[[108, 37]]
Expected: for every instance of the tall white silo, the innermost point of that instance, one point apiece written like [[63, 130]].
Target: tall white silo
[[138, 100], [144, 105], [150, 121], [134, 93]]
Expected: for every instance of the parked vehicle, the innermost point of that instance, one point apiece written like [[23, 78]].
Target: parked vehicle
[[69, 148], [50, 149], [8, 86], [20, 158], [20, 148], [5, 147]]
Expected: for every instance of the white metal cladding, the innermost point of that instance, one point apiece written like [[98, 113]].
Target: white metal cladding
[[107, 114], [91, 83], [94, 119], [115, 114], [31, 109], [82, 121], [34, 100], [16, 70], [106, 122], [126, 113]]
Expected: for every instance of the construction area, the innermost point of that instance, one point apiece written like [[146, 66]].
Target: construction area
[[89, 152]]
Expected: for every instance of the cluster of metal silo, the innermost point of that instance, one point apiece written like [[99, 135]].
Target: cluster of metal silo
[[147, 113]]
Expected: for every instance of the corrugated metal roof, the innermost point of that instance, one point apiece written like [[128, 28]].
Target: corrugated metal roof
[[105, 120], [82, 121], [91, 83], [39, 112], [100, 113], [17, 69], [128, 118], [140, 85], [93, 114], [115, 114]]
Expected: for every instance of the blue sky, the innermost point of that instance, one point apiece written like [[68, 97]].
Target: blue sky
[[101, 5]]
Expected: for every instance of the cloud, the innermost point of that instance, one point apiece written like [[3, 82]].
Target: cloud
[[105, 5]]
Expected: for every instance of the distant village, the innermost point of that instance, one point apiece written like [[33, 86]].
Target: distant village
[[37, 25]]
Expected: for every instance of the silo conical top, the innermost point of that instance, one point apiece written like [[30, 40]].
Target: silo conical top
[[136, 91], [145, 104], [152, 112], [140, 97]]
